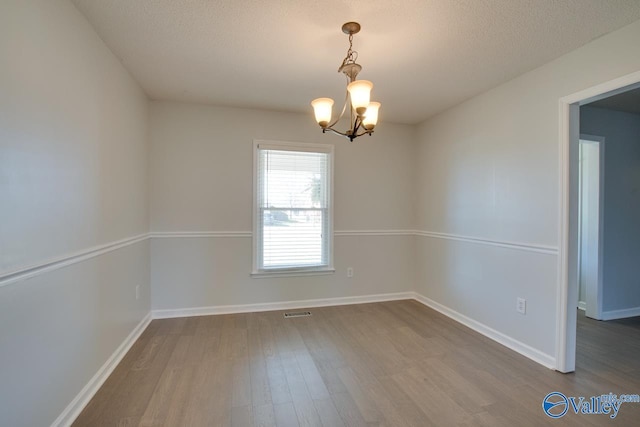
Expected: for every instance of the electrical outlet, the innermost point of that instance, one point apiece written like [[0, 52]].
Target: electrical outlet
[[350, 272], [521, 305], [137, 291]]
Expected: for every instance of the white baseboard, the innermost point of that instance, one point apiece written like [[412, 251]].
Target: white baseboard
[[281, 305], [515, 345], [621, 314], [582, 305], [71, 412]]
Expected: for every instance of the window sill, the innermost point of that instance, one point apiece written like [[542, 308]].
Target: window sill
[[291, 273]]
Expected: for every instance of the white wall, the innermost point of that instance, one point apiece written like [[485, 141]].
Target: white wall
[[488, 169], [201, 168], [73, 175], [621, 239]]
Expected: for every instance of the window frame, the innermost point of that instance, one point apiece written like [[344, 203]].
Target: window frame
[[257, 272]]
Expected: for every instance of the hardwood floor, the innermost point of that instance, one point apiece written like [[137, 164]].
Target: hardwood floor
[[386, 364]]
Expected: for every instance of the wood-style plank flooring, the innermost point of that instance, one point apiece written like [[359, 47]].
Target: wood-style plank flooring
[[385, 364]]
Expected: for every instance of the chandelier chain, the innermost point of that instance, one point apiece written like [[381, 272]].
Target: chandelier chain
[[352, 55]]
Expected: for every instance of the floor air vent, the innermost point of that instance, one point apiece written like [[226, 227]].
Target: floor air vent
[[297, 314]]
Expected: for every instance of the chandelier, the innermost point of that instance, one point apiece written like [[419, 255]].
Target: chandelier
[[363, 113]]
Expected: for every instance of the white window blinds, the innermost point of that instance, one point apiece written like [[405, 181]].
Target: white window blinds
[[293, 211]]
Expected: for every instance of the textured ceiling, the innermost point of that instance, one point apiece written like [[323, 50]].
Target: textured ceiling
[[423, 56]]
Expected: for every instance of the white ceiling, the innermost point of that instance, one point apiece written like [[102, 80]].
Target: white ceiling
[[423, 56]]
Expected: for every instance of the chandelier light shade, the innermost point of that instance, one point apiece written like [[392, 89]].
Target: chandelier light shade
[[362, 112], [371, 118], [322, 108], [360, 93]]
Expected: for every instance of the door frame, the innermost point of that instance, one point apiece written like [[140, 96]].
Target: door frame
[[567, 286]]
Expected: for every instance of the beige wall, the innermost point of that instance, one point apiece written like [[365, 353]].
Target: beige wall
[[201, 169], [73, 175], [488, 169]]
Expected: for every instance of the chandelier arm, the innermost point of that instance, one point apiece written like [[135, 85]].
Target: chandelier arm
[[356, 124], [351, 136], [354, 136], [335, 131], [364, 132], [344, 108], [352, 122]]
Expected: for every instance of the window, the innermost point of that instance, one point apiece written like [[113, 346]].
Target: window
[[292, 231]]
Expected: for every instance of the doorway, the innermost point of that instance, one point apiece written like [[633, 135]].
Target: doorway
[[568, 254]]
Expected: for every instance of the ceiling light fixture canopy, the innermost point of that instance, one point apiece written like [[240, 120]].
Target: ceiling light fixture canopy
[[363, 112]]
